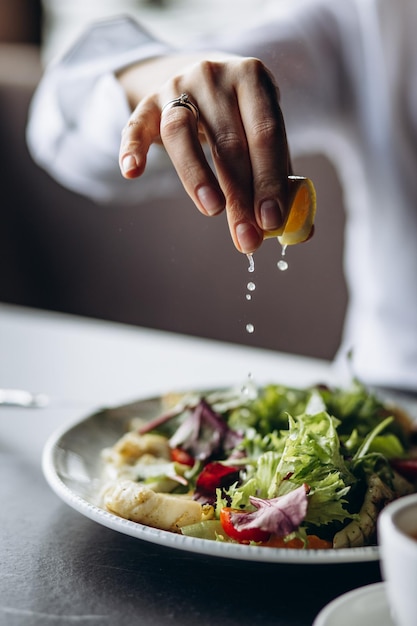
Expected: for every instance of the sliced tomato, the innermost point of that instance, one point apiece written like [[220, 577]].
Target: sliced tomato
[[178, 455], [214, 476], [242, 536]]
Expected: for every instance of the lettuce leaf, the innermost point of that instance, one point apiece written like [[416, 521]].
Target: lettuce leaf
[[269, 410], [310, 455], [357, 409]]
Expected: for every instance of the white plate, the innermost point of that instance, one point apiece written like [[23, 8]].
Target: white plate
[[72, 467], [366, 606]]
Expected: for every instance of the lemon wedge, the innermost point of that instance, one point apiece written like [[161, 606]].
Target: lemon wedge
[[302, 213]]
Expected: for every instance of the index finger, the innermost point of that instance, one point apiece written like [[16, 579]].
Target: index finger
[[141, 130], [181, 134]]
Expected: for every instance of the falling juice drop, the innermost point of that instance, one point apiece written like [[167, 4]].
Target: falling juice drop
[[283, 265], [249, 389], [250, 287], [251, 267]]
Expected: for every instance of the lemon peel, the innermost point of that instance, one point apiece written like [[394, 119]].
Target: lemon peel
[[300, 220]]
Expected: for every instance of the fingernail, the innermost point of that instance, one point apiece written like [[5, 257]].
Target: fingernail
[[270, 215], [210, 200], [248, 237], [128, 163]]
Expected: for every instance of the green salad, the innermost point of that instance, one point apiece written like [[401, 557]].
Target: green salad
[[271, 465]]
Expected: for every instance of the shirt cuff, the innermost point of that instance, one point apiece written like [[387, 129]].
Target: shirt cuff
[[108, 46]]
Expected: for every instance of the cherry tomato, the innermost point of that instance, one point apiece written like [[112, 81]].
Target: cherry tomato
[[181, 456], [406, 467], [242, 536]]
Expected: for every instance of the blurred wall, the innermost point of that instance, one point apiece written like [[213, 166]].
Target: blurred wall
[[20, 21]]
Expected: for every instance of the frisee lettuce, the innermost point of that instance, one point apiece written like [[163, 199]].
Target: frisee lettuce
[[308, 453]]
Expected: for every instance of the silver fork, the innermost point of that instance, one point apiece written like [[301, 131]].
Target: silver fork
[[23, 398]]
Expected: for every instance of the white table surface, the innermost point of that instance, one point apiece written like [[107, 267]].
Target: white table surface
[[84, 364]]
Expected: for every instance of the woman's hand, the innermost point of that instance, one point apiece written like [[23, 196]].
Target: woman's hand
[[240, 119]]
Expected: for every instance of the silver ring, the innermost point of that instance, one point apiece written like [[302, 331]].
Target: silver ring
[[183, 101]]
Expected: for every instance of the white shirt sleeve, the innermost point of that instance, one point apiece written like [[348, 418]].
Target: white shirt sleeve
[[305, 44], [79, 110]]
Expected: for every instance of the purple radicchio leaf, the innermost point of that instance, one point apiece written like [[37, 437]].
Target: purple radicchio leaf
[[204, 433], [280, 516]]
